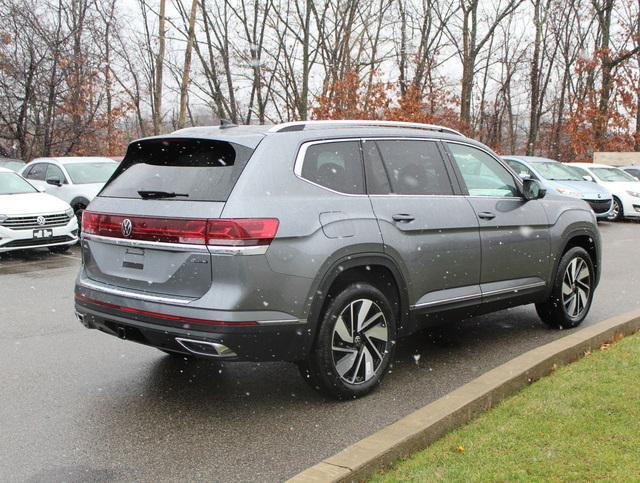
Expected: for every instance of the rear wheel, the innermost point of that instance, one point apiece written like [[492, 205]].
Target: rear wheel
[[572, 291], [355, 343]]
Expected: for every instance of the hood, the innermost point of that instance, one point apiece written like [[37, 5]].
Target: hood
[[622, 186], [31, 204], [90, 190], [587, 189]]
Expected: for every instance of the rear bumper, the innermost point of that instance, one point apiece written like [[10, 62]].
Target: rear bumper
[[164, 328]]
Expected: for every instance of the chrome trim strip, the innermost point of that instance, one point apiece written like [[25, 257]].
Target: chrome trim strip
[[176, 247], [238, 250], [477, 296], [134, 295], [461, 298], [515, 289]]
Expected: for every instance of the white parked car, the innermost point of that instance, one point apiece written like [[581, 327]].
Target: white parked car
[[76, 180], [31, 219], [624, 188]]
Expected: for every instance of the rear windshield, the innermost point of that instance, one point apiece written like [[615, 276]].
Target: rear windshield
[[196, 169]]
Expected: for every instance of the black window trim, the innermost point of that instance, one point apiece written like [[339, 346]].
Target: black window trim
[[516, 178]]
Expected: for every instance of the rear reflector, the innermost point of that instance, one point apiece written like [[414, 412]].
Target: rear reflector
[[238, 231], [187, 320]]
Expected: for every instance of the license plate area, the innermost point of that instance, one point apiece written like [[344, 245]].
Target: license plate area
[[42, 234]]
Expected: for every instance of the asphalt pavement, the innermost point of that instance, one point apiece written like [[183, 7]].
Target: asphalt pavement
[[78, 405]]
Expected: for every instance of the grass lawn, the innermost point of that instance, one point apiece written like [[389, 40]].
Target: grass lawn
[[582, 423]]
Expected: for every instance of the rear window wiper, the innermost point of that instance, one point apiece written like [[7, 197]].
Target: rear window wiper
[[153, 195]]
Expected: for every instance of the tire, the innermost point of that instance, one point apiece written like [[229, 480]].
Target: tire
[[59, 248], [572, 291], [347, 364], [617, 213], [78, 209]]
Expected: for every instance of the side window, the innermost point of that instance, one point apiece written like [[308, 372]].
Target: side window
[[376, 174], [483, 175], [415, 167], [335, 165], [37, 172], [54, 172], [521, 169]]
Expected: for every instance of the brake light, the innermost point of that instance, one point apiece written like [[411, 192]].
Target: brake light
[[242, 231], [239, 231]]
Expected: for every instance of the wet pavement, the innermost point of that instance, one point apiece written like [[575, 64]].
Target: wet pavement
[[78, 405]]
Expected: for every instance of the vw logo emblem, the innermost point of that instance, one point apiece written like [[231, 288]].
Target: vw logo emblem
[[127, 227], [40, 220]]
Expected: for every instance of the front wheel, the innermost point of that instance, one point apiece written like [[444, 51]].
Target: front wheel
[[355, 343], [572, 291], [617, 212]]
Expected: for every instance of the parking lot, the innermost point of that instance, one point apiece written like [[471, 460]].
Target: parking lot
[[78, 405]]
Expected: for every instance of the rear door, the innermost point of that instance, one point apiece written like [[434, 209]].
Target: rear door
[[146, 229], [425, 224], [514, 232]]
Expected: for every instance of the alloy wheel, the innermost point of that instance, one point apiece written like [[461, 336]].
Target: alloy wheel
[[576, 287], [359, 341]]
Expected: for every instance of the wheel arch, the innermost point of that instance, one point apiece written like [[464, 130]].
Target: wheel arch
[[584, 239], [376, 268]]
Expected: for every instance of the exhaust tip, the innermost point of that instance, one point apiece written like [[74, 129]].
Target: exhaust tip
[[204, 348]]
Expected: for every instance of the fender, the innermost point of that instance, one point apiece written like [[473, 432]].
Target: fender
[[325, 279]]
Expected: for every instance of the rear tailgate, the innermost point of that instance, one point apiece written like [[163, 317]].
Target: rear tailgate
[[146, 229]]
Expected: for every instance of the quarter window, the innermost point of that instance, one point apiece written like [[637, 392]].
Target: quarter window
[[415, 167], [483, 175], [335, 165]]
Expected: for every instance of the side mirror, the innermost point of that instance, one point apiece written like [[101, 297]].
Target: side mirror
[[54, 181], [532, 190], [586, 177]]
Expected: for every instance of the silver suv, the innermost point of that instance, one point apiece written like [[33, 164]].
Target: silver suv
[[322, 243]]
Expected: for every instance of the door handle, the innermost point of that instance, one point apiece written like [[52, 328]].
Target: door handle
[[486, 215], [403, 217]]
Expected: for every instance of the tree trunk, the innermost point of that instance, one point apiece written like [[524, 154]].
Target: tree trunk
[[157, 95], [184, 85]]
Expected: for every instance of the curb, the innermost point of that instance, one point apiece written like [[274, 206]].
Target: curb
[[426, 425]]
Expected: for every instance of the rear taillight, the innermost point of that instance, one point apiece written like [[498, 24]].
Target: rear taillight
[[240, 231]]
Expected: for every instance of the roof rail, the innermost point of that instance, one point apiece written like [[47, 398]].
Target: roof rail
[[301, 125]]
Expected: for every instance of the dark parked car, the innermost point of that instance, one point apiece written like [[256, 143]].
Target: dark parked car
[[322, 243]]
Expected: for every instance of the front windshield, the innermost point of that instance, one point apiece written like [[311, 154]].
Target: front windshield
[[14, 184], [612, 174], [85, 173], [557, 172]]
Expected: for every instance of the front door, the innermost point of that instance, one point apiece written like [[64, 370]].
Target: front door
[[514, 232]]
